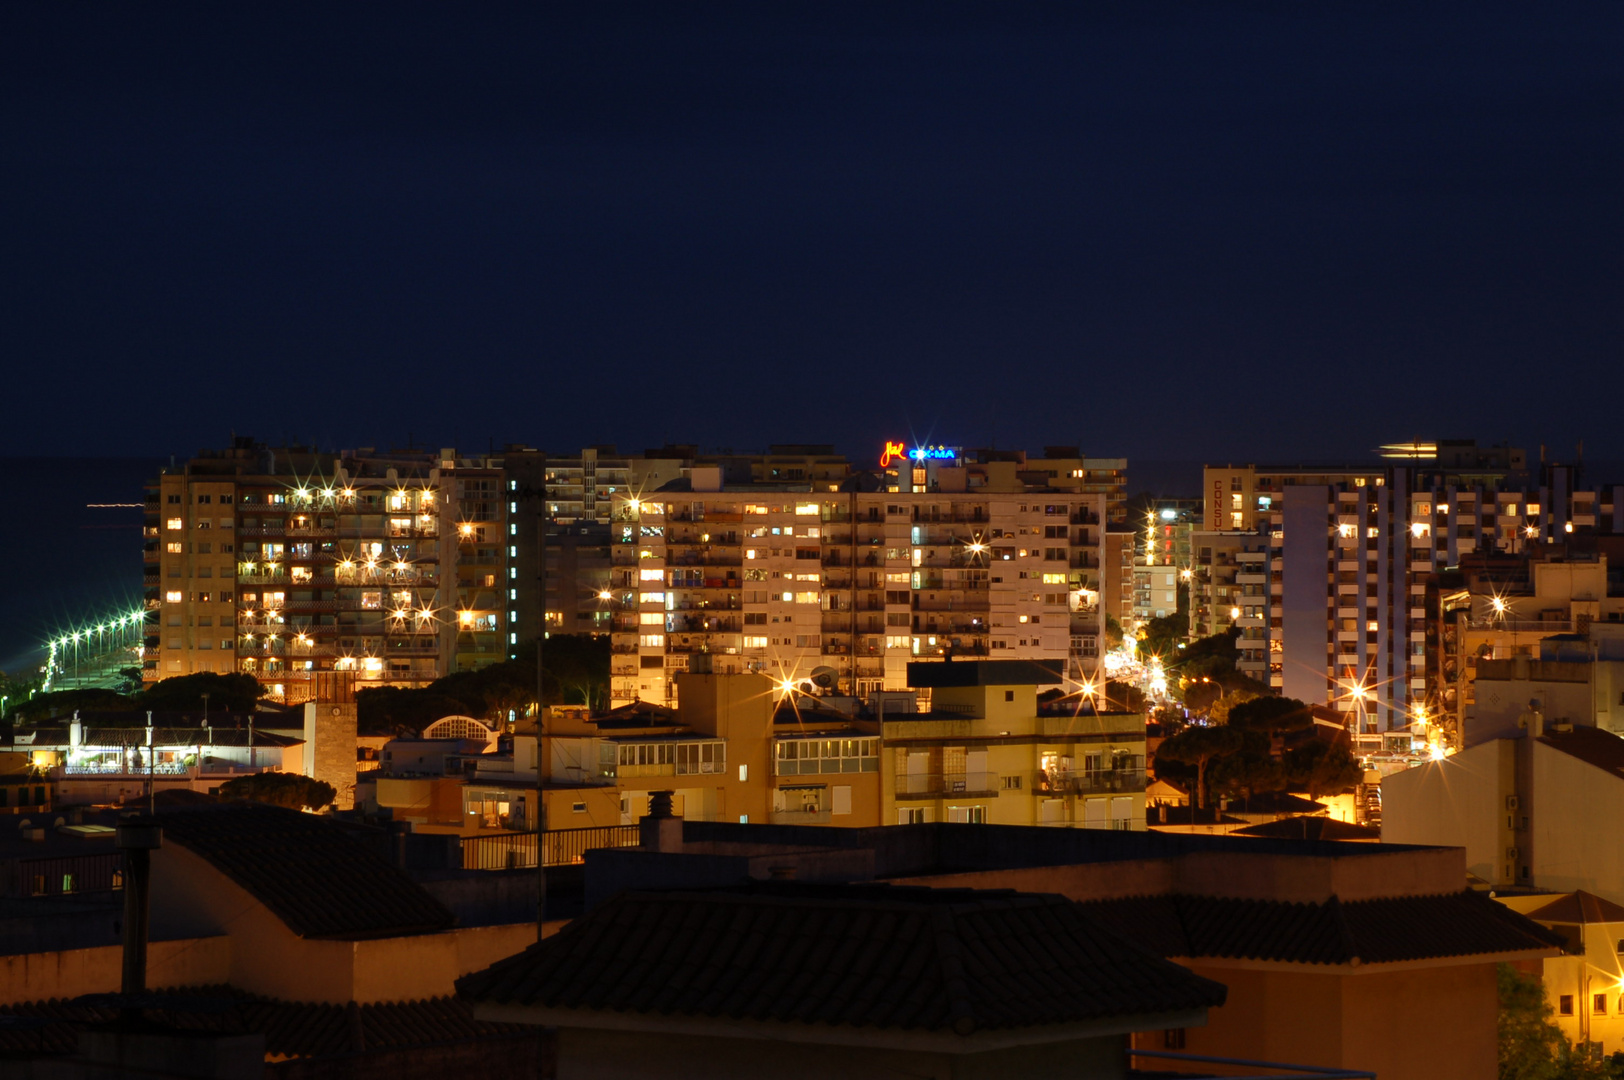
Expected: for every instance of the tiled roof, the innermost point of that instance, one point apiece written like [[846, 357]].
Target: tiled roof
[[866, 956], [318, 880], [292, 1029], [1579, 907], [1365, 931]]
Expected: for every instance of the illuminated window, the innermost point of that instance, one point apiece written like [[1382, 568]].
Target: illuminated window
[[172, 597], [651, 618], [753, 642], [173, 547], [650, 574], [652, 641], [176, 524]]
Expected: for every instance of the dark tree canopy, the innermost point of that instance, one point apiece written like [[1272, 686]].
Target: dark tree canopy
[[576, 668], [1271, 714], [1322, 769], [280, 789], [1198, 746], [237, 692]]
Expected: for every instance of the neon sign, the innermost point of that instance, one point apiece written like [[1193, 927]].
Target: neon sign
[[895, 450]]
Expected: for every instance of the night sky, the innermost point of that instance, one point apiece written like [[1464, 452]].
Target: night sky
[[1165, 230]]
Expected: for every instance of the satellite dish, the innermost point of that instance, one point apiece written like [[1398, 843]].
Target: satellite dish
[[825, 678]]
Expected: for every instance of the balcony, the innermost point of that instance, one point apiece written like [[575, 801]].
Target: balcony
[[935, 785], [1089, 781], [799, 817]]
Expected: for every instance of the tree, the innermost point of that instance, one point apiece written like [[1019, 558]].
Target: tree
[[1322, 769], [1197, 746], [1529, 1042], [1249, 771], [1201, 695], [280, 789], [1219, 711], [1123, 697], [1161, 637], [237, 692], [1531, 1046], [1270, 715]]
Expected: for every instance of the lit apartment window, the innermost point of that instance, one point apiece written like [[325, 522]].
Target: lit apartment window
[[172, 597], [175, 524], [173, 547]]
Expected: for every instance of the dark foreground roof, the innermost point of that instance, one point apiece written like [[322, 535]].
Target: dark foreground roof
[[1579, 907], [1305, 827], [1589, 744], [984, 673], [881, 957], [1365, 931], [292, 1029], [318, 880]]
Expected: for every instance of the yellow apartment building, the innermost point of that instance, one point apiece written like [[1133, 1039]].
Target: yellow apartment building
[[984, 752], [284, 563]]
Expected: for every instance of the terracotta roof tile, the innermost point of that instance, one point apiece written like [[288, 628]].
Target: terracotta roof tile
[[1366, 931], [1579, 907], [291, 1029], [318, 880], [877, 956]]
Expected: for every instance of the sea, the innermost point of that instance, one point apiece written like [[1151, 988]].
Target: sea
[[70, 545]]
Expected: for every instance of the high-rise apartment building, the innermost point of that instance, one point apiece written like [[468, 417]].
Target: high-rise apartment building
[[1349, 555], [404, 566], [286, 562], [850, 586]]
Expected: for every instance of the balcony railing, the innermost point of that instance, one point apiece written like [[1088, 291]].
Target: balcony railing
[[517, 850], [1091, 780], [932, 784], [800, 817]]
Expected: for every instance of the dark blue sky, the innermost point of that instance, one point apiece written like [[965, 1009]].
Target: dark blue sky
[[1167, 230]]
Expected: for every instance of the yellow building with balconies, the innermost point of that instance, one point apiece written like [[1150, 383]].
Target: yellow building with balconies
[[985, 751]]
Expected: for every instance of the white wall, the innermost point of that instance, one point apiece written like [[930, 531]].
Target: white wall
[[1456, 802], [1575, 815]]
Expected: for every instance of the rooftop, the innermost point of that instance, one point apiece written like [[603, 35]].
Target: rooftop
[[1579, 907], [984, 673], [291, 1029], [317, 878], [878, 957], [1387, 930], [1589, 744]]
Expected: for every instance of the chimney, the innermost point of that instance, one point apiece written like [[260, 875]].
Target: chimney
[[137, 838], [660, 830]]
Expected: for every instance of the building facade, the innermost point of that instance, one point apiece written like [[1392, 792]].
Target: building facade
[[1349, 558], [284, 563], [857, 584]]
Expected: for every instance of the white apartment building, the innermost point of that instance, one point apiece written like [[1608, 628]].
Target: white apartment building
[[1349, 557]]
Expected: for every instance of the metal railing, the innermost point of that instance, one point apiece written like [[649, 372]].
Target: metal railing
[[517, 850], [62, 875], [946, 783]]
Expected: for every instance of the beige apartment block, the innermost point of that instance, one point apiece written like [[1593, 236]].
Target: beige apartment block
[[285, 563], [851, 586]]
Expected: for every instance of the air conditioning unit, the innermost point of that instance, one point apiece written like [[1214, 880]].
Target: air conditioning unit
[[1511, 854], [1511, 802]]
